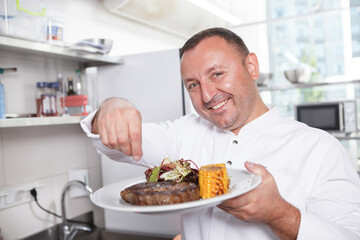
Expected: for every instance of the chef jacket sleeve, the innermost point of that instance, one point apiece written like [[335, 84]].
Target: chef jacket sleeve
[[333, 210], [158, 142]]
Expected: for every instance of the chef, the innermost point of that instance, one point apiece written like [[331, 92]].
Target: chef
[[309, 188]]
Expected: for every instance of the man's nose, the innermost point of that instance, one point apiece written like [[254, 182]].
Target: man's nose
[[208, 91]]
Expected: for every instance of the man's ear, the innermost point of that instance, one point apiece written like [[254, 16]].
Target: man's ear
[[252, 65]]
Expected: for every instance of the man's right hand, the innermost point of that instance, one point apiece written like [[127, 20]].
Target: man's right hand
[[118, 123]]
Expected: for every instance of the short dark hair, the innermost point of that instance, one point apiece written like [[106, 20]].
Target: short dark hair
[[229, 36]]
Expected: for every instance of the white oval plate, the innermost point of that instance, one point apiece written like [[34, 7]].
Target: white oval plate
[[109, 196]]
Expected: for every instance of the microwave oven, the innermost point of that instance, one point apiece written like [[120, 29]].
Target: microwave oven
[[339, 116]]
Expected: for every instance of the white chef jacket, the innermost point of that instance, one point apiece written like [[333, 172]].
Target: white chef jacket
[[312, 171]]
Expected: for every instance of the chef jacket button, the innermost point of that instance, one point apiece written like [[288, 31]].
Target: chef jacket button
[[229, 163], [235, 142]]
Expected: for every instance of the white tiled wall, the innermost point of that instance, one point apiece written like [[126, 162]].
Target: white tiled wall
[[43, 155], [28, 151]]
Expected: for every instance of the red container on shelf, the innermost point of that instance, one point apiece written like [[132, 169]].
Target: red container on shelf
[[75, 105]]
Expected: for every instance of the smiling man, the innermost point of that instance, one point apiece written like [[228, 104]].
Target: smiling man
[[309, 188], [220, 81]]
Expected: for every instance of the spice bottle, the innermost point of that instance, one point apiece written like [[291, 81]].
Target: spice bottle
[[71, 91], [81, 83], [40, 91], [52, 97], [60, 94], [45, 98]]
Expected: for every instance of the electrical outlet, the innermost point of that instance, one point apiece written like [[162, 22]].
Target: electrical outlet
[[81, 175], [17, 195]]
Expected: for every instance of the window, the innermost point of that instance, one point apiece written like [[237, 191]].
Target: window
[[323, 34], [315, 33], [355, 27]]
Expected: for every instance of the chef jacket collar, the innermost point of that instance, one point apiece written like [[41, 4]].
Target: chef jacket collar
[[258, 124]]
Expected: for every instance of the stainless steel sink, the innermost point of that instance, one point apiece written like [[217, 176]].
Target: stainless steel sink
[[54, 233], [82, 228], [108, 235]]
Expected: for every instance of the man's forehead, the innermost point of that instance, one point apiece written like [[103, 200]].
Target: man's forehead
[[207, 51], [201, 48], [211, 44]]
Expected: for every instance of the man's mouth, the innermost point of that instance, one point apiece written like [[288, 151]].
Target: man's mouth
[[219, 105]]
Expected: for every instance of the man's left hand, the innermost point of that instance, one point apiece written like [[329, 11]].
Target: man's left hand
[[264, 204]]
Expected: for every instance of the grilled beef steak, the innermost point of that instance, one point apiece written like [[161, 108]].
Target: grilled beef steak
[[160, 193]]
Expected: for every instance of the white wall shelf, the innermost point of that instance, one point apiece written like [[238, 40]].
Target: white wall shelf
[[86, 59], [347, 136], [307, 85], [39, 121]]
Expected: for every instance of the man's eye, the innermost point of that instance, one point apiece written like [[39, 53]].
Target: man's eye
[[192, 85], [217, 74]]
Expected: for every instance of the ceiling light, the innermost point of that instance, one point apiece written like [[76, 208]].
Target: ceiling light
[[216, 11]]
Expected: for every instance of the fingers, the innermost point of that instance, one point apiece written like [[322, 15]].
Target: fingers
[[109, 133], [135, 139], [256, 168], [240, 208], [254, 206], [236, 202], [121, 136], [119, 127], [102, 131], [127, 135]]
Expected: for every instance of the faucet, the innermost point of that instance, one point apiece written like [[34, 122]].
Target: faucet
[[69, 232]]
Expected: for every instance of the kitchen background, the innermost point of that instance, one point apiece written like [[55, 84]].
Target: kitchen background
[[320, 35]]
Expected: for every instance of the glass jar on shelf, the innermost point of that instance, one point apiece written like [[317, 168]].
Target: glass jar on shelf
[[71, 91], [52, 86]]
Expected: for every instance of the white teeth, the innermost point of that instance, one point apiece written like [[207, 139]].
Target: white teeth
[[220, 104]]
